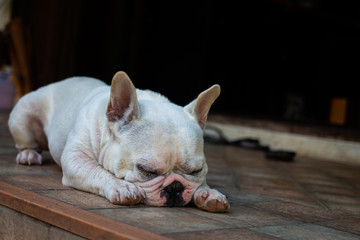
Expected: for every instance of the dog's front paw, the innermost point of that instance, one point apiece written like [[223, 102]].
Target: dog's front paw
[[122, 192], [210, 200], [29, 157]]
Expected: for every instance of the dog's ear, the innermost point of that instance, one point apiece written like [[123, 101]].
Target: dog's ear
[[123, 104], [200, 107]]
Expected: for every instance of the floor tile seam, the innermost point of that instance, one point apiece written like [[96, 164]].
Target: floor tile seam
[[340, 179], [290, 224], [351, 183], [100, 209], [297, 182], [311, 194], [280, 179], [306, 223], [207, 230], [338, 220], [35, 189], [321, 202], [119, 206], [325, 219], [57, 199], [28, 175], [275, 188], [269, 198], [339, 229], [40, 192], [291, 219], [231, 170], [56, 189], [345, 187], [203, 230], [349, 195], [247, 222], [205, 217], [281, 215], [264, 234]]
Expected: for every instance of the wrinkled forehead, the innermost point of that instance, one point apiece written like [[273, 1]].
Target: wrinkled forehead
[[165, 119], [168, 132], [166, 138]]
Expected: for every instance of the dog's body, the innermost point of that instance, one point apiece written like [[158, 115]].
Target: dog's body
[[125, 144]]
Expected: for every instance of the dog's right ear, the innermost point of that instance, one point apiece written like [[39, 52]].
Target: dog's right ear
[[123, 104]]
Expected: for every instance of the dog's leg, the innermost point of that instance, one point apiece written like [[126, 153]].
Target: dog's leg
[[26, 128], [82, 171], [210, 199]]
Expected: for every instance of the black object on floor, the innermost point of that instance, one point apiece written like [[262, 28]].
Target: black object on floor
[[249, 143]]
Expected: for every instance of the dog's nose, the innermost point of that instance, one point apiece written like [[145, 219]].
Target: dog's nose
[[173, 193], [175, 187]]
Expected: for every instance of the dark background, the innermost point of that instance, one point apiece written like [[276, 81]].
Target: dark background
[[268, 56]]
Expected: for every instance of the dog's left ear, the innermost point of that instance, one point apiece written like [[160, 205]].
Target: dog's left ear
[[123, 104], [200, 107]]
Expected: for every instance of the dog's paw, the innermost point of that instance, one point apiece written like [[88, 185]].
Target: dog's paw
[[210, 200], [125, 193], [29, 157]]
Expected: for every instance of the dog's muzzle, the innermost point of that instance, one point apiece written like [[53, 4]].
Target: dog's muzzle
[[173, 194]]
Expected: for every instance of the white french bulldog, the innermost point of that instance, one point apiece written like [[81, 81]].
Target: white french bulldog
[[122, 143]]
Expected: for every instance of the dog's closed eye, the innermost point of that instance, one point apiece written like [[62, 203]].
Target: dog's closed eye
[[147, 172], [196, 171]]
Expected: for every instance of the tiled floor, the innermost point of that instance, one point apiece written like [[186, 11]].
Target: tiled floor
[[304, 199]]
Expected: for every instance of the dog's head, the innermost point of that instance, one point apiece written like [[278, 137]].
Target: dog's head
[[156, 144]]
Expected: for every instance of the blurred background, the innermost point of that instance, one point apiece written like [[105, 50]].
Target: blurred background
[[283, 60]]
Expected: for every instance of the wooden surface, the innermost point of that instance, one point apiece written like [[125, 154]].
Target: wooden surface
[[304, 199], [67, 217]]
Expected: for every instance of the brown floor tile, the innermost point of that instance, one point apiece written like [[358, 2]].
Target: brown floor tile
[[217, 167], [342, 190], [238, 157], [162, 220], [306, 231], [349, 205], [345, 173], [12, 169], [305, 211], [269, 199], [278, 192], [228, 234], [244, 217], [325, 181], [33, 182], [220, 181], [347, 225], [349, 210], [256, 172], [338, 198], [277, 183], [242, 196], [8, 151], [78, 198]]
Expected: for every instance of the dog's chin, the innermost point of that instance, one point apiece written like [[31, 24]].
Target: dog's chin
[[164, 202]]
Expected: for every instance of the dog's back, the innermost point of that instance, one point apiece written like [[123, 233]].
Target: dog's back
[[33, 119]]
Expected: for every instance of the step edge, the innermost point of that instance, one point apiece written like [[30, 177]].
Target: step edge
[[68, 217]]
